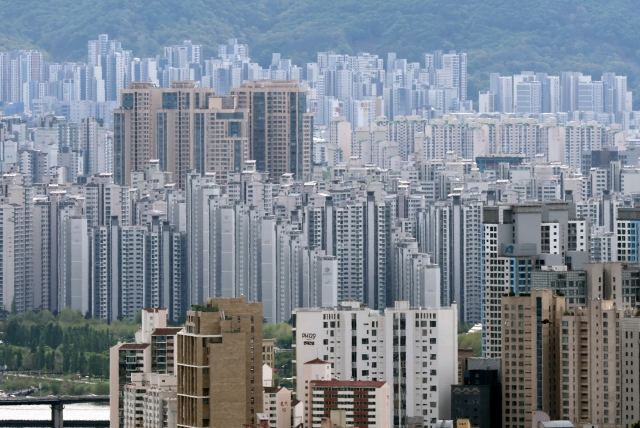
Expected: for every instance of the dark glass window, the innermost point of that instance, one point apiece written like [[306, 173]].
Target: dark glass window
[[127, 101], [170, 100], [234, 130], [235, 115]]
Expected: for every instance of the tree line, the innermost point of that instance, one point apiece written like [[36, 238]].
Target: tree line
[[66, 344]]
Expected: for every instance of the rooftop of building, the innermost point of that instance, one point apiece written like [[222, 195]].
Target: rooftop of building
[[348, 383], [135, 345], [317, 361], [154, 310], [170, 331]]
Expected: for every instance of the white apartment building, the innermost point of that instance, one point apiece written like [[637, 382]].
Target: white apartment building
[[451, 231], [409, 348], [150, 401]]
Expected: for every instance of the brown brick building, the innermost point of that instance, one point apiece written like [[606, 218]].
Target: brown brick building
[[220, 364], [366, 402], [280, 129]]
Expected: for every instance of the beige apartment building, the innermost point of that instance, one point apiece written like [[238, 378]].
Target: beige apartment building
[[277, 406], [529, 356], [220, 364], [578, 364], [280, 129], [599, 362], [185, 127], [268, 352]]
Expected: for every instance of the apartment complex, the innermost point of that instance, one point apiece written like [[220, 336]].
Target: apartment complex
[[615, 281], [403, 346], [451, 231], [184, 127], [519, 240], [220, 364], [150, 401], [142, 385], [280, 129], [574, 364]]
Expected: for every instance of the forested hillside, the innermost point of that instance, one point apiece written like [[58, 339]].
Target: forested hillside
[[499, 35]]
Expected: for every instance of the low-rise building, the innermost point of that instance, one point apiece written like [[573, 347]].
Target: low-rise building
[[277, 406], [365, 402]]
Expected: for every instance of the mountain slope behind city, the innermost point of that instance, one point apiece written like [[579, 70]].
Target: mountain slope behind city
[[499, 35]]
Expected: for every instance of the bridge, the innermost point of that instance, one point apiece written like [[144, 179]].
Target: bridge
[[57, 405]]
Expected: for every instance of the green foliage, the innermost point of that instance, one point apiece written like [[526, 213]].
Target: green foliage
[[281, 332], [68, 343], [101, 388], [636, 425], [473, 341], [54, 387], [546, 36], [464, 327]]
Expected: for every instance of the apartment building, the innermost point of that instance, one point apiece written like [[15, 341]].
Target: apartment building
[[402, 346], [220, 364], [518, 240], [529, 356], [452, 233], [184, 127], [615, 281], [268, 352], [627, 227], [575, 364], [366, 402], [152, 353], [280, 129], [277, 406], [150, 401]]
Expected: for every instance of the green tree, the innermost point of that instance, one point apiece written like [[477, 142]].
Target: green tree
[[281, 332], [50, 362], [101, 388], [471, 340], [464, 327], [19, 360], [54, 387]]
